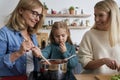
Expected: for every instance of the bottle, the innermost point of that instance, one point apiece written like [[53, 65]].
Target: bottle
[[87, 22], [51, 11], [81, 11], [81, 23]]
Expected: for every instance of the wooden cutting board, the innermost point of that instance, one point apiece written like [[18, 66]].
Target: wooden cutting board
[[84, 77], [92, 77], [103, 77]]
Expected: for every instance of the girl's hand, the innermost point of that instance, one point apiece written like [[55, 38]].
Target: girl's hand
[[36, 51], [62, 47]]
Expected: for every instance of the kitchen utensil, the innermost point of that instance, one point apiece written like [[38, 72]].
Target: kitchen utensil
[[45, 59], [70, 57], [55, 71]]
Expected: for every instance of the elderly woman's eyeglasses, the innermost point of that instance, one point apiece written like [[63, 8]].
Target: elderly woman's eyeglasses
[[36, 14]]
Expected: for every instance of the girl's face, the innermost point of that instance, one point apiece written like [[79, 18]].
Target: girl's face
[[31, 17], [101, 19], [60, 35]]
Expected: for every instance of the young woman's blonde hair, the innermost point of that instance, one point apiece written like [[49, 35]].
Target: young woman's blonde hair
[[56, 26], [17, 23], [111, 7]]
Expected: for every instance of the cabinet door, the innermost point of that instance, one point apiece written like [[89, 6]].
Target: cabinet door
[[42, 37]]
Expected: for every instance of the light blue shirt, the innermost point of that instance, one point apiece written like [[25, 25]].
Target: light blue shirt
[[10, 42]]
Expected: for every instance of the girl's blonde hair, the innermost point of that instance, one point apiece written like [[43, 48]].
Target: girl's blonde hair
[[56, 26], [17, 23], [111, 7]]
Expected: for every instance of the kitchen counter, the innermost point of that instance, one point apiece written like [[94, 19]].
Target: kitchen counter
[[92, 77]]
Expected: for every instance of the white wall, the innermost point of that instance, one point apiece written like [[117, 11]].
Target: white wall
[[61, 5], [86, 5], [7, 6]]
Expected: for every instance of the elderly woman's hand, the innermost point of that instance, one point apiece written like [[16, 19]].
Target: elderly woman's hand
[[36, 51], [25, 47]]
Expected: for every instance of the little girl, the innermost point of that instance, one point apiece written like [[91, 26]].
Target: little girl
[[61, 47]]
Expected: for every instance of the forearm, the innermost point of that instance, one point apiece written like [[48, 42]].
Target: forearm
[[14, 56], [95, 64]]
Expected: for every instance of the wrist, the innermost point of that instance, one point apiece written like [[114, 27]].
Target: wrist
[[15, 56], [103, 60]]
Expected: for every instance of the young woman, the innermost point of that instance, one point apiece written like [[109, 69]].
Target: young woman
[[18, 39], [61, 47], [100, 47]]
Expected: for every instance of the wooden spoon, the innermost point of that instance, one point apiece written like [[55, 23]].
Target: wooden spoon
[[45, 59]]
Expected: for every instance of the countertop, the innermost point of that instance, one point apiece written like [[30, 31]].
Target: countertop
[[93, 77]]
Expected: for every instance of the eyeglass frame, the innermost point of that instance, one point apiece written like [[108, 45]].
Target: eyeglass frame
[[36, 14]]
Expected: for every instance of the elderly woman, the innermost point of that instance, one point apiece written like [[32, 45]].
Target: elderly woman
[[18, 39]]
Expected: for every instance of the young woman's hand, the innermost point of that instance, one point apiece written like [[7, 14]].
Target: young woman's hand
[[112, 64], [62, 47], [118, 69]]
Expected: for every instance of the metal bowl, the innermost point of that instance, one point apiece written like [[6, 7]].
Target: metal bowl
[[55, 71]]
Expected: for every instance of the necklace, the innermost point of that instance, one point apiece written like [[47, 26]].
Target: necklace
[[25, 35]]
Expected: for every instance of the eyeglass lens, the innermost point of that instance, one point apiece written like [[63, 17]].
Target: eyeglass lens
[[36, 14]]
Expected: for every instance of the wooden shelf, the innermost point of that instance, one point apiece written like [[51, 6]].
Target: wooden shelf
[[68, 15], [78, 27], [71, 27]]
